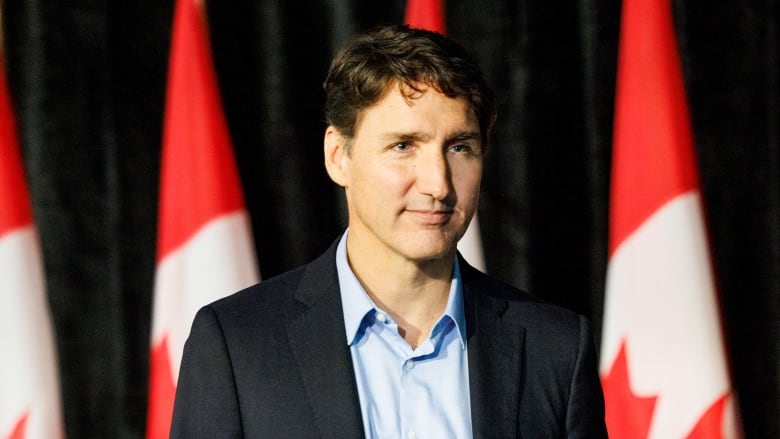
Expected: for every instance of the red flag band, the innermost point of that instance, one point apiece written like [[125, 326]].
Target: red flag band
[[426, 14]]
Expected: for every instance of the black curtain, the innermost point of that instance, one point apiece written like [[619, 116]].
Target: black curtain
[[88, 81]]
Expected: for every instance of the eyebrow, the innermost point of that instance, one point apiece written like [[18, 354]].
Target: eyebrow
[[464, 135], [420, 136]]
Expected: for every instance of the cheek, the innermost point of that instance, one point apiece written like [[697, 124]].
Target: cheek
[[387, 179], [373, 190], [467, 180]]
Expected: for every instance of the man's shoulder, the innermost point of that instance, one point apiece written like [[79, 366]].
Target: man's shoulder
[[553, 336], [281, 294], [520, 306], [267, 291]]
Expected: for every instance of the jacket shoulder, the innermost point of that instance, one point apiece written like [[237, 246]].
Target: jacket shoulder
[[546, 326]]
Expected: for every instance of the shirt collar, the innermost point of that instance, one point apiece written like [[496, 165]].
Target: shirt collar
[[356, 303], [354, 299]]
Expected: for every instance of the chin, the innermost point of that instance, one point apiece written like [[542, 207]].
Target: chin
[[424, 253], [427, 244]]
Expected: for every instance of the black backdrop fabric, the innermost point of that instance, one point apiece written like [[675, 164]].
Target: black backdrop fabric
[[88, 80]]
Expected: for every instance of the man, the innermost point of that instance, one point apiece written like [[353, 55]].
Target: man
[[390, 333]]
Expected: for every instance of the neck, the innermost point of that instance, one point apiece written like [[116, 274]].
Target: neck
[[413, 293]]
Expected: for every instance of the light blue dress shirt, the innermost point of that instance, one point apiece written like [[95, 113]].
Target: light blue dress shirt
[[404, 393]]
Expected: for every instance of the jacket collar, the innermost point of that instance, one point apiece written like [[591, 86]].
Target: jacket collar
[[494, 357], [318, 343]]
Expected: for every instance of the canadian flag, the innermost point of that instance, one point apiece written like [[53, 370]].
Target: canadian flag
[[30, 404], [663, 362], [429, 15], [204, 237]]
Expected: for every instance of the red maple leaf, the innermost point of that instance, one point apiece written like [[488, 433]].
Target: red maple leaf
[[711, 423], [20, 429], [162, 391], [627, 415]]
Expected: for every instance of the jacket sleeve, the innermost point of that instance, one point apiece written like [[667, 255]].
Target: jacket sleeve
[[206, 404], [585, 411]]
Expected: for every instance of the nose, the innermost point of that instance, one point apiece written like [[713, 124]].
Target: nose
[[433, 175]]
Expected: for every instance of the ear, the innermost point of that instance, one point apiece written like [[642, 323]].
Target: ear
[[336, 155]]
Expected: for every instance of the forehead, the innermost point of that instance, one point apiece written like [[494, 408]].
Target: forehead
[[420, 109]]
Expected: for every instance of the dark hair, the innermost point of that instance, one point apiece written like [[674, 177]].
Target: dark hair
[[362, 70]]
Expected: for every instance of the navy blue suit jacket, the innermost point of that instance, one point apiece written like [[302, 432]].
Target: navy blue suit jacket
[[273, 361]]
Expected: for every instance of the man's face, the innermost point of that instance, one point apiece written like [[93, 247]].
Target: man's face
[[412, 175]]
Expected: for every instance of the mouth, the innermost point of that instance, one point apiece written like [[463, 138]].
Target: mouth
[[432, 217]]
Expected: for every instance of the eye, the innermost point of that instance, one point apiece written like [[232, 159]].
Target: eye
[[402, 146], [461, 147]]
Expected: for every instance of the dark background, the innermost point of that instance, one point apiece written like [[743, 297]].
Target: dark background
[[88, 79]]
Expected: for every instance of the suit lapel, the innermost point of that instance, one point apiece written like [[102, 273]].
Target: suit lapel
[[319, 345], [494, 350]]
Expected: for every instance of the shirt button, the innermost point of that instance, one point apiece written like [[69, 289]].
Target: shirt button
[[409, 364], [381, 318], [412, 434]]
